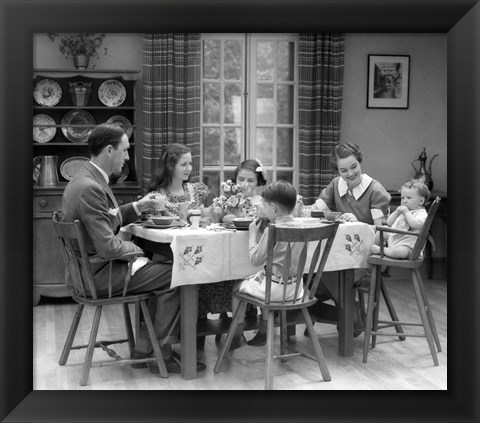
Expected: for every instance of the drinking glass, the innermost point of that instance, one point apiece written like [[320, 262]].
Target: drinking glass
[[183, 211], [160, 203]]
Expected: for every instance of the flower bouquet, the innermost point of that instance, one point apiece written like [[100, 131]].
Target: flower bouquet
[[234, 201]]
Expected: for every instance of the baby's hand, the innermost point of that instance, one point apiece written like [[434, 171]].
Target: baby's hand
[[375, 249], [403, 209]]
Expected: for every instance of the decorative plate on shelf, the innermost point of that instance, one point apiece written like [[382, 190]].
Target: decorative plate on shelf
[[120, 177], [47, 92], [124, 122], [76, 133], [70, 166], [43, 134], [112, 93]]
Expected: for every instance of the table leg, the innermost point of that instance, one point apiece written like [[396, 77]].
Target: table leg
[[346, 313], [188, 330]]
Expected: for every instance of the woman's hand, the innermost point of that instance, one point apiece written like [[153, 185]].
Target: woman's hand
[[348, 217], [152, 202]]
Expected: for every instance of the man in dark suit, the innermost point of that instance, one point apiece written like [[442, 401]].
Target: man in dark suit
[[89, 198]]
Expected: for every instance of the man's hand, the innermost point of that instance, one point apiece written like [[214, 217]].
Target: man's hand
[[151, 202]]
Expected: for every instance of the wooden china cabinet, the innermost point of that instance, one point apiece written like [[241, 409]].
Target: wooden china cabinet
[[62, 119]]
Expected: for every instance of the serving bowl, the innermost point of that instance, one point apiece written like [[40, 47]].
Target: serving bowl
[[242, 222], [332, 215], [162, 220]]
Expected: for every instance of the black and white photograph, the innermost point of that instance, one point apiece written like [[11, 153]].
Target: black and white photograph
[[388, 81], [177, 161]]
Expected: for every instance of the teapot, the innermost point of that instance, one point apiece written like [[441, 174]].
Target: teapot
[[422, 173], [46, 168]]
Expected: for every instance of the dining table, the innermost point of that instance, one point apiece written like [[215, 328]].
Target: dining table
[[217, 253]]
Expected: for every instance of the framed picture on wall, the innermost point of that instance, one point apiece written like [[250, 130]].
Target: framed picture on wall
[[388, 81]]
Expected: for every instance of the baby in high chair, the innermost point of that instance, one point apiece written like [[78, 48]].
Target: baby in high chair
[[409, 216]]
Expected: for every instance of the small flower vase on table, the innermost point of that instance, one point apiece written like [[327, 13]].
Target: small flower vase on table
[[233, 200], [217, 214]]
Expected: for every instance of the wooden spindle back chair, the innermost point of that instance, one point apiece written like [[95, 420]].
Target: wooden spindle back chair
[[413, 263], [72, 239], [300, 242]]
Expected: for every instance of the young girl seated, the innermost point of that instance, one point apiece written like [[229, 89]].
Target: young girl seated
[[409, 216], [279, 199]]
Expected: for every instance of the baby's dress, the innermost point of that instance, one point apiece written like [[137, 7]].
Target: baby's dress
[[409, 241]]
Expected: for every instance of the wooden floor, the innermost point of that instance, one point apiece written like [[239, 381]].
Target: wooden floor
[[392, 365]]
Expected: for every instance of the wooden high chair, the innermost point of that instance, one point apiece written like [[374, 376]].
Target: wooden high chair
[[413, 263]]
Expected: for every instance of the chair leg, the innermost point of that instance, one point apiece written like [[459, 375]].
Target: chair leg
[[283, 333], [361, 299], [391, 309], [430, 316], [231, 331], [71, 335], [322, 363], [128, 327], [370, 309], [270, 341], [153, 339], [91, 346], [416, 279], [376, 310]]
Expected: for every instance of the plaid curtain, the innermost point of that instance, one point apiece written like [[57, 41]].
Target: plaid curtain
[[320, 90], [171, 97]]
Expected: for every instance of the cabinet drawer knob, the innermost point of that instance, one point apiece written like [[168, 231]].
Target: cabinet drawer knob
[[43, 203]]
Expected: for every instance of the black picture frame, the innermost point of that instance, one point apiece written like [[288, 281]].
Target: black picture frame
[[388, 83], [459, 18]]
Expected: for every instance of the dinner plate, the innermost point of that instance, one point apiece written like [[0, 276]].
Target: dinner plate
[[174, 224], [47, 92], [124, 122], [43, 134], [112, 93], [76, 133], [325, 220], [70, 166]]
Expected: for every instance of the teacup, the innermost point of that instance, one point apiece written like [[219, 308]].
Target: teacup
[[195, 216]]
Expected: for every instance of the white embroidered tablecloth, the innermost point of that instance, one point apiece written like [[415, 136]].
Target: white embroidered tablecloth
[[206, 256]]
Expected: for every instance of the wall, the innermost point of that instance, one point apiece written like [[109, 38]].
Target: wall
[[124, 52], [392, 138]]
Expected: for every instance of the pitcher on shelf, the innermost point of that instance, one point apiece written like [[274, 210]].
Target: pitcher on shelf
[[422, 173], [46, 167]]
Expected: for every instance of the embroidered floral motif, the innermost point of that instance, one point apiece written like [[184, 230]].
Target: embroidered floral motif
[[191, 257], [354, 245]]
